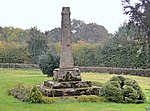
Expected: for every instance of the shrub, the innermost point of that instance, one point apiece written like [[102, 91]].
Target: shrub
[[21, 91], [132, 92], [70, 99], [148, 108], [83, 98], [35, 95], [120, 89], [48, 63], [112, 91], [49, 100], [130, 95], [89, 98], [94, 98], [102, 99]]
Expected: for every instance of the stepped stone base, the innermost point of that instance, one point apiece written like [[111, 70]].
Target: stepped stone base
[[67, 82], [70, 84], [72, 88]]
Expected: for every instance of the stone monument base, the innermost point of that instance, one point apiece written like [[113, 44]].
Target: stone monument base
[[67, 82], [71, 88], [66, 74]]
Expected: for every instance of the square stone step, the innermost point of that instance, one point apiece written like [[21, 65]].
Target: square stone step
[[68, 91], [70, 84]]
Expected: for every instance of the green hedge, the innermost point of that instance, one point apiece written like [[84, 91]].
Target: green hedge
[[20, 66], [111, 70], [16, 54]]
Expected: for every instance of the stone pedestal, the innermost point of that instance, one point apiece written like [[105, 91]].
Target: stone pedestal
[[66, 74], [67, 82], [72, 88]]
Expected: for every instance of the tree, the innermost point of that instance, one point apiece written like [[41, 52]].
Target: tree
[[139, 15], [54, 34], [123, 51], [76, 27], [129, 49], [124, 36], [11, 34], [93, 33], [37, 44], [84, 57]]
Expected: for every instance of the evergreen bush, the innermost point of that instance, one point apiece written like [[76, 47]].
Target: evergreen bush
[[35, 95], [94, 98], [112, 91], [49, 100], [70, 99], [48, 63], [90, 98], [83, 98], [123, 90], [148, 108]]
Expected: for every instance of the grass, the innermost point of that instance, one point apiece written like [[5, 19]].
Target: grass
[[9, 77]]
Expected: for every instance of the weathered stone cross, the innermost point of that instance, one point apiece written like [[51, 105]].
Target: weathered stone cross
[[66, 79]]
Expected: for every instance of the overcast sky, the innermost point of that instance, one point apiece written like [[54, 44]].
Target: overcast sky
[[46, 14]]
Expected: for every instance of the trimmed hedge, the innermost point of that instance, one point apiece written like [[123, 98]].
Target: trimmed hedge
[[89, 98], [13, 53], [112, 70], [49, 100], [20, 66]]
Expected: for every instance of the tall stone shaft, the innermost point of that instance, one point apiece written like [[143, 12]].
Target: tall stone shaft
[[66, 59], [66, 71]]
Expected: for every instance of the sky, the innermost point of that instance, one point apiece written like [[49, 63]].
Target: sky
[[46, 14]]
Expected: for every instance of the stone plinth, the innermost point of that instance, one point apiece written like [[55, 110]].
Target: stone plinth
[[70, 84], [66, 74], [72, 88]]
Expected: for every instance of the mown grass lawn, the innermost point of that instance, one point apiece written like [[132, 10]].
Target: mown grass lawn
[[9, 78]]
